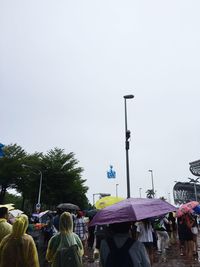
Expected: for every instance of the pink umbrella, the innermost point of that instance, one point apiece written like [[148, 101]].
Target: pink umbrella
[[132, 209], [186, 208]]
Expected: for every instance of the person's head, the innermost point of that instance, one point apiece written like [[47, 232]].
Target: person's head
[[79, 214], [66, 223], [122, 227], [4, 212], [20, 226]]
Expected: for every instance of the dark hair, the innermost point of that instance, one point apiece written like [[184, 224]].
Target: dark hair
[[122, 227], [3, 212]]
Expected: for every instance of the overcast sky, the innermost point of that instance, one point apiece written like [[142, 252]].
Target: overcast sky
[[65, 67]]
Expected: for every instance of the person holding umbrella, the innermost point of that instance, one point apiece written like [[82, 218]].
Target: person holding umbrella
[[119, 249]]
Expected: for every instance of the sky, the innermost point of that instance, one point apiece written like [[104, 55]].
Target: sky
[[65, 67]]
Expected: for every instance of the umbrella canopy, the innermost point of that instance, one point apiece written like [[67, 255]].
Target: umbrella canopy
[[91, 213], [186, 208], [107, 201], [197, 209], [39, 215], [132, 209], [67, 206]]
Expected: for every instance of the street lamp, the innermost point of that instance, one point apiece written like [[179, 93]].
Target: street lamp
[[101, 195], [151, 171], [140, 189], [117, 190], [38, 205], [127, 137]]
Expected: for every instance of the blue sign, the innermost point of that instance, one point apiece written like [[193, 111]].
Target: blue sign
[[1, 151], [111, 173]]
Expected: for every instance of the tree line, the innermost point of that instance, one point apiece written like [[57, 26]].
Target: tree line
[[61, 177]]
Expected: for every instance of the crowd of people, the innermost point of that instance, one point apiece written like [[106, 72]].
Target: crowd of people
[[67, 239]]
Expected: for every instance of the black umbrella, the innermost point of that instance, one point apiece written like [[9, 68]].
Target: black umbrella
[[67, 206], [91, 213]]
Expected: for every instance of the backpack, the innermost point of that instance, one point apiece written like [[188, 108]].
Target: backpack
[[119, 257], [158, 225], [68, 257]]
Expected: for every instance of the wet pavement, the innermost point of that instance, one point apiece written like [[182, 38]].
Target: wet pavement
[[173, 259]]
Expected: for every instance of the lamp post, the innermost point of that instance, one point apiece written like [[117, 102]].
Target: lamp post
[[140, 193], [151, 171], [127, 137], [38, 205], [117, 190]]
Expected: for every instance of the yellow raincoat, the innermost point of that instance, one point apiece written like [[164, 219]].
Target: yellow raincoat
[[5, 228], [18, 249], [64, 238]]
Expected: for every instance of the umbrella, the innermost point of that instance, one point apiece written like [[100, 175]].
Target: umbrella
[[107, 201], [197, 209], [90, 213], [132, 209], [67, 206], [191, 204], [186, 208], [41, 214]]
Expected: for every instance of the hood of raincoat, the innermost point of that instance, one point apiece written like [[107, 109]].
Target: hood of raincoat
[[66, 223], [20, 226]]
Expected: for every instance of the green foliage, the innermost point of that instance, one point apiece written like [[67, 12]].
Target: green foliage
[[10, 167], [14, 199], [150, 193], [61, 178]]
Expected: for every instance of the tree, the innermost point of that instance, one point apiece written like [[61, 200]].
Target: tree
[[62, 179], [10, 167], [150, 193]]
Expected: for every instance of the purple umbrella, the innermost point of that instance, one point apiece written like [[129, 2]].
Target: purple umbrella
[[132, 209]]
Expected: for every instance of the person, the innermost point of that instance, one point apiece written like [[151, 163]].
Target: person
[[120, 235], [194, 230], [145, 235], [185, 235], [5, 227], [100, 233], [80, 228], [172, 228], [162, 235], [65, 238], [18, 248]]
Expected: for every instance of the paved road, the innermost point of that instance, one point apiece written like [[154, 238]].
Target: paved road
[[173, 259]]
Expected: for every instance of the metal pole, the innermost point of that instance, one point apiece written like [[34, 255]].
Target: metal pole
[[151, 171], [38, 205], [127, 136], [117, 190], [127, 148], [140, 192], [40, 188]]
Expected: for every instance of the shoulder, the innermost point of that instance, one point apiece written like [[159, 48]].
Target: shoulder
[[77, 238]]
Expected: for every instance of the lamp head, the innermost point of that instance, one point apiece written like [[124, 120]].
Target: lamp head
[[128, 96]]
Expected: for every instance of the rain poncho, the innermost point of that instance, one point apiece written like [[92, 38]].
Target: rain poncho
[[5, 228], [65, 238], [18, 249]]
